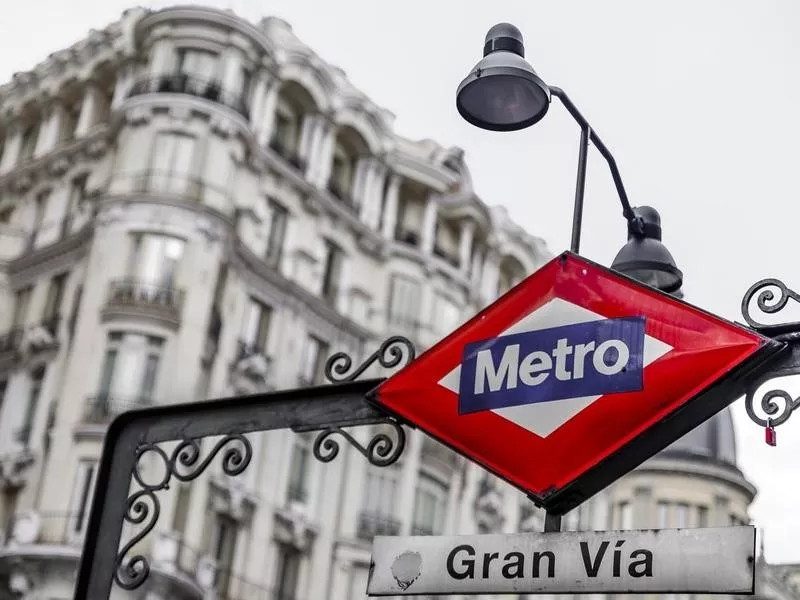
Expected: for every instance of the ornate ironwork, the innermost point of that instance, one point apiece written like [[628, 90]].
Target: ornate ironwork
[[389, 355], [767, 303], [777, 405], [143, 506], [381, 450]]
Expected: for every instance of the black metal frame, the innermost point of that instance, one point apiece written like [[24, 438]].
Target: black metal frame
[[589, 135], [138, 433]]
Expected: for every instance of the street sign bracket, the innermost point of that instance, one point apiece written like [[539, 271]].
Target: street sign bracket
[[328, 409]]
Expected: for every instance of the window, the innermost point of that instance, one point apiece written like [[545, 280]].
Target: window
[[5, 215], [314, 357], [129, 372], [3, 388], [223, 546], [430, 504], [29, 138], [52, 306], [247, 78], [404, 302], [21, 303], [39, 207], [702, 516], [81, 499], [333, 271], [298, 470], [155, 259], [279, 217], [197, 63], [77, 194], [446, 314], [256, 328], [380, 492], [341, 172], [625, 516], [663, 515], [35, 391], [287, 572], [181, 508], [172, 161], [681, 516], [285, 130]]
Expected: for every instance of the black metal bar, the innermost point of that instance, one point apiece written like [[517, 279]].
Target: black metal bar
[[627, 211], [580, 186], [316, 408], [552, 523]]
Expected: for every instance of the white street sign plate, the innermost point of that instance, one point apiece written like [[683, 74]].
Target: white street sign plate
[[710, 560]]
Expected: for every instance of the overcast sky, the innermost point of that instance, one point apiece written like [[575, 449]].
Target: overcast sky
[[698, 101]]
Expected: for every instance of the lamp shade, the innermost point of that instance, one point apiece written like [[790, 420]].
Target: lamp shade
[[503, 92], [644, 258]]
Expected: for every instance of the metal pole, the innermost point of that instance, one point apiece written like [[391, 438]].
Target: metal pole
[[552, 523], [627, 210], [580, 186]]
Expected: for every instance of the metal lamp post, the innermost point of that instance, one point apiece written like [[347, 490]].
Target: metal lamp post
[[503, 93]]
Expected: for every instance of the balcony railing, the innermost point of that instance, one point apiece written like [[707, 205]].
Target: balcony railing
[[289, 154], [103, 408], [141, 295], [421, 529], [53, 528], [183, 83], [170, 184], [372, 524]]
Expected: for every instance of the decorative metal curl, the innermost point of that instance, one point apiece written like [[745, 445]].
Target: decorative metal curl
[[381, 450], [783, 410], [130, 574], [766, 301], [389, 355]]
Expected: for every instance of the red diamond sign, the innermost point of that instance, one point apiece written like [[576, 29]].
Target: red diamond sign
[[573, 378]]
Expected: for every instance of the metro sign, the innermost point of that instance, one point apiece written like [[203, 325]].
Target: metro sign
[[573, 378]]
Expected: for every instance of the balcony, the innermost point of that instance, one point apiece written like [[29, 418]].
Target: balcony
[[372, 524], [134, 298], [58, 529], [103, 408], [182, 83], [171, 184], [290, 155]]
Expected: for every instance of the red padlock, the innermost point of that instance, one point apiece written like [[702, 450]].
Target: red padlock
[[770, 434]]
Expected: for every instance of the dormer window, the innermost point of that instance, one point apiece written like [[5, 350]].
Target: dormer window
[[285, 131]]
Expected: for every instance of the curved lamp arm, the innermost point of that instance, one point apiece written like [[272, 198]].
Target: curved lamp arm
[[588, 134]]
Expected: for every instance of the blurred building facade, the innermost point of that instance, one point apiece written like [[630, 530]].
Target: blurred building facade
[[195, 206]]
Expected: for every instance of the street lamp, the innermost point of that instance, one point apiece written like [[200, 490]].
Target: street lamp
[[503, 93]]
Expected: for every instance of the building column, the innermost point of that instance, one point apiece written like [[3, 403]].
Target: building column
[[231, 79], [50, 131], [429, 225], [465, 245], [491, 274], [11, 149], [90, 109], [122, 85], [390, 208], [362, 181], [161, 57], [308, 138], [323, 157], [265, 99]]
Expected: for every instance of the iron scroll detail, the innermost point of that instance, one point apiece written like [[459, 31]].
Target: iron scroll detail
[[339, 367], [767, 302], [381, 450], [143, 506]]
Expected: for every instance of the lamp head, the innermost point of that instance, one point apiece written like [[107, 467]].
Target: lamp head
[[503, 92], [644, 258]]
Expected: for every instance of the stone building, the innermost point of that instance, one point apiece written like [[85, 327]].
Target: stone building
[[195, 206]]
